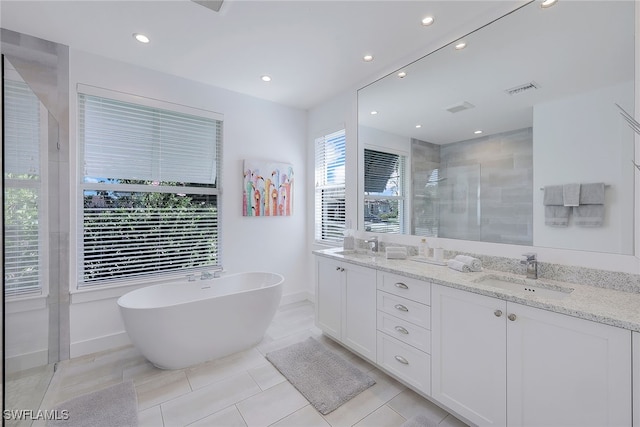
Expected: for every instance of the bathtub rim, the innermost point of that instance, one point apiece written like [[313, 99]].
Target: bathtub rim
[[171, 282]]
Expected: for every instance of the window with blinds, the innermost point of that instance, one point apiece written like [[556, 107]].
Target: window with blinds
[[23, 208], [384, 191], [330, 156], [150, 190]]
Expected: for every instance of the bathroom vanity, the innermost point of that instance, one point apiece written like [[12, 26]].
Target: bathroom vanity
[[492, 355]]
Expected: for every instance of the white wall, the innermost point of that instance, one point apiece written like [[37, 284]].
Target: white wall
[[253, 129], [376, 138], [26, 340], [582, 139]]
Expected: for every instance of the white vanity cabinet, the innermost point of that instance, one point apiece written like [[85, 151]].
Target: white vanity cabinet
[[346, 304], [404, 329], [500, 363]]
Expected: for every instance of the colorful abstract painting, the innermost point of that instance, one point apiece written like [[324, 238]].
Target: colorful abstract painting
[[268, 189]]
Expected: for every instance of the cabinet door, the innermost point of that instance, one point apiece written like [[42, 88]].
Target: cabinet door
[[329, 279], [566, 371], [468, 356], [359, 315]]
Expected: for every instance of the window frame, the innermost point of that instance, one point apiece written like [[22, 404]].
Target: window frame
[[321, 187], [402, 199], [81, 187]]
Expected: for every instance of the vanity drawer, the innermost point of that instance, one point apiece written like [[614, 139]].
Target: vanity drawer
[[411, 311], [404, 331], [405, 362], [406, 287]]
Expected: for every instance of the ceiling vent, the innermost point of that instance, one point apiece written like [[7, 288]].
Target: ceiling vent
[[214, 5], [522, 88], [460, 107]]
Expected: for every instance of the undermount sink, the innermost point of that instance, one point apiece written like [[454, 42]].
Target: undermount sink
[[356, 253], [524, 286]]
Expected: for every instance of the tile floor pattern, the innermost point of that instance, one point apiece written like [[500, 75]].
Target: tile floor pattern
[[243, 389]]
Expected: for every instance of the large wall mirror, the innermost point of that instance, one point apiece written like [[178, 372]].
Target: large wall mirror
[[461, 143]]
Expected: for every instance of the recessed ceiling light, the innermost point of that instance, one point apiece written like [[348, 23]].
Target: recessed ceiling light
[[478, 132], [402, 74], [548, 3], [367, 58], [461, 46], [418, 126], [374, 112], [265, 78], [141, 38], [427, 20]]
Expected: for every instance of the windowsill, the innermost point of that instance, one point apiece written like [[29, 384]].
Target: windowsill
[[328, 244], [25, 303], [116, 290]]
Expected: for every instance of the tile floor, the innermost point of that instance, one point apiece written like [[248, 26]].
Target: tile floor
[[243, 389]]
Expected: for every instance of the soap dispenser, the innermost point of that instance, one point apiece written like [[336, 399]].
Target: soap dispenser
[[423, 249], [349, 241]]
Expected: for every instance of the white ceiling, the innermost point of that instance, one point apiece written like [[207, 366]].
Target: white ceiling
[[312, 49]]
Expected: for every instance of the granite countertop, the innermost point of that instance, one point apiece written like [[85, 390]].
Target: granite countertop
[[608, 306]]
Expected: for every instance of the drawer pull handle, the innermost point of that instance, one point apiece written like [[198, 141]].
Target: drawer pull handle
[[402, 360], [401, 307], [402, 330], [512, 317], [498, 313], [401, 285]]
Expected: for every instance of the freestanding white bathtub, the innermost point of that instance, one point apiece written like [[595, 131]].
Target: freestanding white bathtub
[[181, 324]]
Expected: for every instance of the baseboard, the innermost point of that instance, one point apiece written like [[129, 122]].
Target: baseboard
[[296, 297], [26, 361], [107, 342]]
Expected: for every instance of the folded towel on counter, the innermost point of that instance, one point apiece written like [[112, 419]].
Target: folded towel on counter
[[556, 216], [454, 264], [474, 263], [588, 215], [396, 252], [592, 194], [553, 195], [571, 194]]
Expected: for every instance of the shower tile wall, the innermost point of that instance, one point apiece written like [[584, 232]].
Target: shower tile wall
[[425, 158], [486, 192]]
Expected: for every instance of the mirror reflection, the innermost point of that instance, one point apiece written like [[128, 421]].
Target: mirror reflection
[[529, 102]]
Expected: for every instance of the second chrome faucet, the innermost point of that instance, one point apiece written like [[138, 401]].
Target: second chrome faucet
[[531, 262], [373, 243]]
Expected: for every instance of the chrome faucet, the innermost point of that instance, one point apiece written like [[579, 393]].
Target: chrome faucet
[[531, 262], [373, 243], [217, 269]]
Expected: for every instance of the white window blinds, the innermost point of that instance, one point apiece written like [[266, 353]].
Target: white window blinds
[[21, 130], [150, 192], [330, 157], [385, 183], [22, 190], [128, 141]]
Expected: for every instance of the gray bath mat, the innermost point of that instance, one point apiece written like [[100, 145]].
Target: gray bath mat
[[115, 406], [323, 377], [420, 421]]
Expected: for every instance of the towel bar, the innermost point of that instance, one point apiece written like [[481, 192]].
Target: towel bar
[[605, 186]]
